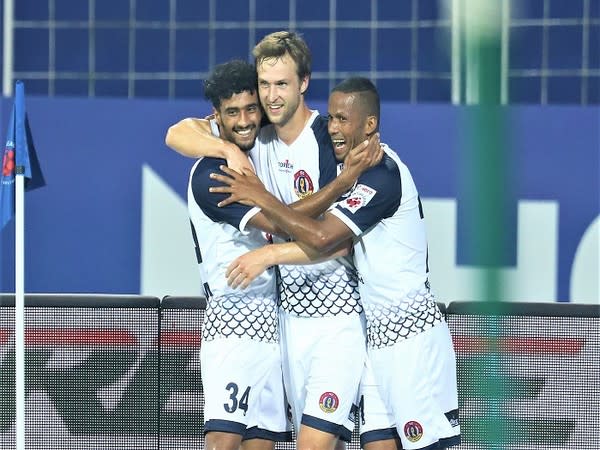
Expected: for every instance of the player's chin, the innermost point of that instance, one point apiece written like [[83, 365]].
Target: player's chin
[[245, 148], [245, 144], [340, 153]]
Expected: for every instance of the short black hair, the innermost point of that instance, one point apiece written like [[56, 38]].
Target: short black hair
[[367, 91], [230, 78]]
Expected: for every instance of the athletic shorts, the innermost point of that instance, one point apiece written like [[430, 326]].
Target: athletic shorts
[[417, 382], [323, 360], [375, 420], [243, 389]]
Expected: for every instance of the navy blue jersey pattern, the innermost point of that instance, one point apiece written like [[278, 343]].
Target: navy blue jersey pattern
[[249, 313], [384, 212], [327, 160], [385, 179], [201, 182]]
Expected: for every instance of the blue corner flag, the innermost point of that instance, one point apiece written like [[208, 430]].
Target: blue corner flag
[[18, 158]]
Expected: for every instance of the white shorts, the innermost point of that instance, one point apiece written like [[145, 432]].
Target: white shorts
[[323, 359], [417, 382], [375, 421], [243, 389]]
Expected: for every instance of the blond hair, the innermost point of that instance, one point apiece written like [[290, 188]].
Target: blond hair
[[278, 44]]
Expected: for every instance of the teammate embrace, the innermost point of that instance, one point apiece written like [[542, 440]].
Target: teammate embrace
[[331, 264]]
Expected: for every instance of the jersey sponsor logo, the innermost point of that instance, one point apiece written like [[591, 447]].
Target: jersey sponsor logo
[[303, 185], [359, 197], [413, 431], [329, 402], [285, 166]]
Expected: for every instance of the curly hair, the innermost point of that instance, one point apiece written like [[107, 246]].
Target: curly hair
[[230, 78]]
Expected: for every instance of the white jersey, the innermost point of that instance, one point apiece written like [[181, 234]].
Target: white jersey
[[251, 313], [292, 172], [384, 211]]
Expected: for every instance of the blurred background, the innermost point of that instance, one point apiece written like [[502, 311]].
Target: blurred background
[[105, 79], [492, 104]]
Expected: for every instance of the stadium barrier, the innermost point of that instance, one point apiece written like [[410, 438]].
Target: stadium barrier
[[123, 372]]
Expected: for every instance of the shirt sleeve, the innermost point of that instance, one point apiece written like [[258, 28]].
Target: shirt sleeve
[[233, 214], [376, 195]]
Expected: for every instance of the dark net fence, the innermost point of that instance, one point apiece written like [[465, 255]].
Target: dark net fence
[[123, 372]]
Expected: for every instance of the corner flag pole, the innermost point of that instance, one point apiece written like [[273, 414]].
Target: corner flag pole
[[19, 162], [20, 144], [20, 310]]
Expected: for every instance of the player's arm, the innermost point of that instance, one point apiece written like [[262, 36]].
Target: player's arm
[[362, 157], [250, 265], [308, 207], [192, 137], [322, 235], [263, 223]]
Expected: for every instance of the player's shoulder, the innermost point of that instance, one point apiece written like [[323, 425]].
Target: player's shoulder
[[318, 124], [394, 173], [318, 120], [386, 174], [205, 166], [390, 162]]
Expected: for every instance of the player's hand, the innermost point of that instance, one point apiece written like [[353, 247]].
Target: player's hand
[[365, 155], [245, 268], [237, 159], [242, 187]]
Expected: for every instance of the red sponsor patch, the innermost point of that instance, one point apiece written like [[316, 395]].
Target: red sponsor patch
[[360, 196]]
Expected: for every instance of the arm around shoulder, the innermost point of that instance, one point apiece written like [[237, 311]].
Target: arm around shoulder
[[192, 137]]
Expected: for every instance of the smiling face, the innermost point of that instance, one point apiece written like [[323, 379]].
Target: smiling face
[[280, 88], [349, 124], [239, 119]]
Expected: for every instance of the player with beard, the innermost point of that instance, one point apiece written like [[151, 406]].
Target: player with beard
[[240, 355], [411, 363], [321, 317]]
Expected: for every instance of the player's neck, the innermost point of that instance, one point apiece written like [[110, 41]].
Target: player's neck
[[290, 131]]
